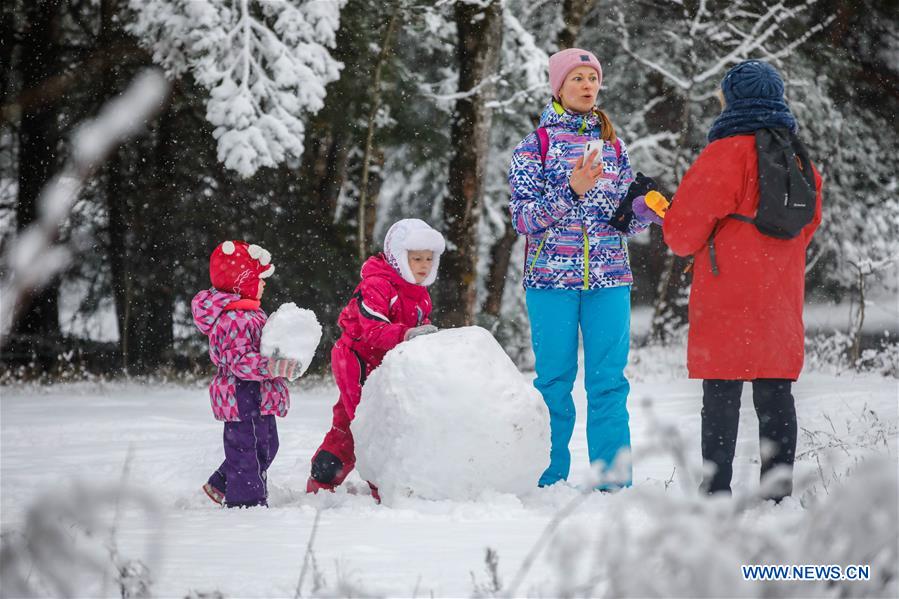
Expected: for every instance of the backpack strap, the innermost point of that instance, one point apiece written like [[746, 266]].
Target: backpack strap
[[713, 258], [741, 218], [543, 142], [617, 145]]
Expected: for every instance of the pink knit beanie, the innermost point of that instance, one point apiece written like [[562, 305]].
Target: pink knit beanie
[[562, 63]]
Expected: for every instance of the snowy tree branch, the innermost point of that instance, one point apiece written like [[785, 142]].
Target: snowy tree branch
[[753, 40], [626, 45], [265, 64]]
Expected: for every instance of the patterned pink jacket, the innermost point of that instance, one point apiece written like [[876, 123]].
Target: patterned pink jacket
[[234, 337]]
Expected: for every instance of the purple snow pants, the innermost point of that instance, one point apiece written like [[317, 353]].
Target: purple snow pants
[[250, 447]]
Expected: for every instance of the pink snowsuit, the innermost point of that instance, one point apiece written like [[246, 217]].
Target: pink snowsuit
[[243, 394], [234, 337], [383, 307]]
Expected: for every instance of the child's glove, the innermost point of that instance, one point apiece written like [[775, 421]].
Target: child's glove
[[640, 186], [644, 213], [425, 329], [287, 368]]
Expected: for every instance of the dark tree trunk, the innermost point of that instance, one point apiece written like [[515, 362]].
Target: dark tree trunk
[[323, 170], [859, 32], [500, 256], [117, 219], [672, 291], [38, 155], [140, 205], [372, 193], [7, 47], [335, 129], [153, 258], [573, 14], [478, 43], [328, 277], [368, 190], [116, 197]]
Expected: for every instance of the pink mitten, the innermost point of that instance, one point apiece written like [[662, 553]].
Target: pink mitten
[[283, 367]]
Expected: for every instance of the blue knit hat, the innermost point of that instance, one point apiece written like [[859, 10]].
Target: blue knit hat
[[752, 79], [754, 95]]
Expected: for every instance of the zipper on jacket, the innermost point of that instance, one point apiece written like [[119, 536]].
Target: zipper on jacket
[[539, 249], [583, 127], [586, 257]]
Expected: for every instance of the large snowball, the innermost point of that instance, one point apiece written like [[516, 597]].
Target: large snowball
[[449, 416], [291, 332]]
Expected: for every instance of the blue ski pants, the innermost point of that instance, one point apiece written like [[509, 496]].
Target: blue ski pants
[[603, 317]]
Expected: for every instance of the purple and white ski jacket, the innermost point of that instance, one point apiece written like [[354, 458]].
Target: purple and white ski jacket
[[570, 242], [234, 338]]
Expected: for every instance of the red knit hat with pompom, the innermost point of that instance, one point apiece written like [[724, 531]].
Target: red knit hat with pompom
[[237, 267]]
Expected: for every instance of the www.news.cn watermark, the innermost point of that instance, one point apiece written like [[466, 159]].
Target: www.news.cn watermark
[[806, 572]]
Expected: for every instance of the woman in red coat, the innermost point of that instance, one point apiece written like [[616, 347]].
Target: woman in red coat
[[746, 300]]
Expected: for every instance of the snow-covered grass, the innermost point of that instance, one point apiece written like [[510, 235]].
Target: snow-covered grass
[[655, 537]]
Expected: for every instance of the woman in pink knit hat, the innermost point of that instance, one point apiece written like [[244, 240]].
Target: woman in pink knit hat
[[576, 209]]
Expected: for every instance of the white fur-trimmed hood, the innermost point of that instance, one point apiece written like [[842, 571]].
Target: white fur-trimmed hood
[[412, 234]]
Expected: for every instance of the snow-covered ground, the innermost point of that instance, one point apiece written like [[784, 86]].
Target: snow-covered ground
[[52, 436], [881, 316]]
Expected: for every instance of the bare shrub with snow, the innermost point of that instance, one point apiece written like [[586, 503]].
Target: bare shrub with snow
[[68, 546], [832, 353], [666, 543]]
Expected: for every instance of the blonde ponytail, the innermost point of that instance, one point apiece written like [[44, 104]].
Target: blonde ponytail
[[608, 130]]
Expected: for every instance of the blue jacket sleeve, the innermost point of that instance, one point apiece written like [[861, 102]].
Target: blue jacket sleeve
[[538, 202]]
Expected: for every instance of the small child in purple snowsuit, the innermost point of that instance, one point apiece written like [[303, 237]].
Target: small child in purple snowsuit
[[249, 388]]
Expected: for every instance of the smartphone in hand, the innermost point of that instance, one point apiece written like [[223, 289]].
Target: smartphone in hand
[[590, 146]]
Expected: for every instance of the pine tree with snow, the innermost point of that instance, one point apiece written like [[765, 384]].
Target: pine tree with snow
[[265, 64]]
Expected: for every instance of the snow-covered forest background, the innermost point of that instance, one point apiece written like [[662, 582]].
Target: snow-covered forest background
[[136, 135], [283, 118]]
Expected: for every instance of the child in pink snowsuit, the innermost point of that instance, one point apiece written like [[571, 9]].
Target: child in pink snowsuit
[[249, 388], [390, 305]]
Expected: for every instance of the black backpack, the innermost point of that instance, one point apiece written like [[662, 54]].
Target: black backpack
[[787, 194]]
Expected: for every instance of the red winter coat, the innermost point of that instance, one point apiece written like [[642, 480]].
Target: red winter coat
[[383, 307], [745, 323]]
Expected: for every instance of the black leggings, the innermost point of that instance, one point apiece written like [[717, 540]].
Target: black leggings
[[721, 417]]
